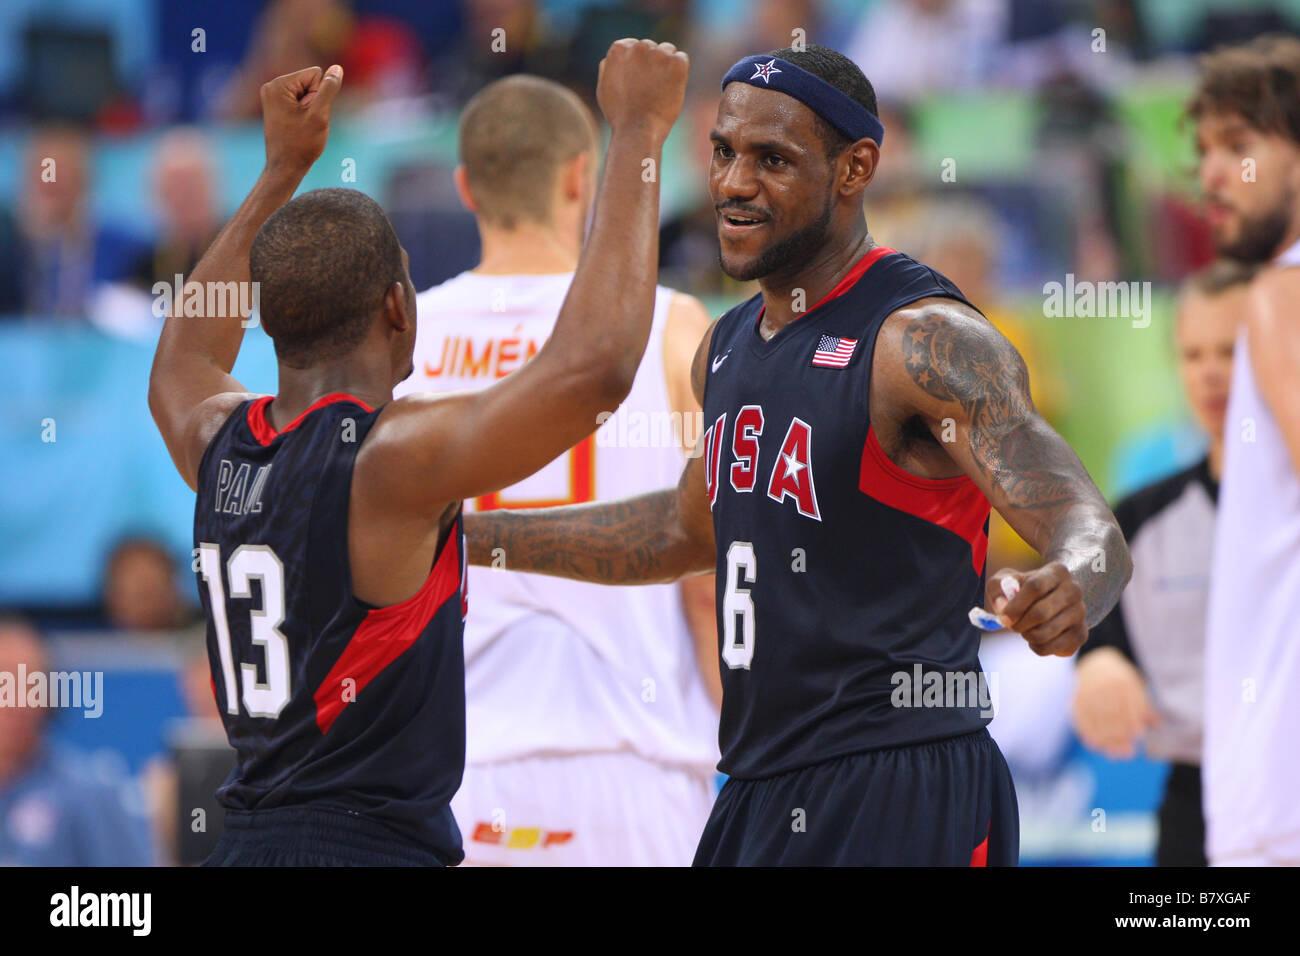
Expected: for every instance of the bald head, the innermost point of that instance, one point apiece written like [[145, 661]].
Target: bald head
[[515, 134]]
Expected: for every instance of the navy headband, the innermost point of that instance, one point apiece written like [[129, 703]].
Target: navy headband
[[843, 112]]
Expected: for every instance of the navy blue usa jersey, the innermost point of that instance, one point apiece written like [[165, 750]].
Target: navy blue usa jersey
[[329, 702], [843, 582]]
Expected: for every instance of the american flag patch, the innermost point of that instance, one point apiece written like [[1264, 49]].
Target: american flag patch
[[833, 351]]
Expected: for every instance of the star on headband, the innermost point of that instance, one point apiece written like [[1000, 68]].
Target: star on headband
[[764, 71]]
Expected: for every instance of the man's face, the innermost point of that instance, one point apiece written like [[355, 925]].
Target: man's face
[[1207, 330], [770, 182], [1251, 181], [183, 180], [140, 593], [57, 162]]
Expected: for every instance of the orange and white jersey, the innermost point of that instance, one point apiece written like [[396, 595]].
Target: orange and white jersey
[[555, 666]]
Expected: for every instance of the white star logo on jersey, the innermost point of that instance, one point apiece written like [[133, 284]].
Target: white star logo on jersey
[[792, 465], [764, 71]]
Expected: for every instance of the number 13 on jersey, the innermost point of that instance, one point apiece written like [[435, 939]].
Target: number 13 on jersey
[[248, 563]]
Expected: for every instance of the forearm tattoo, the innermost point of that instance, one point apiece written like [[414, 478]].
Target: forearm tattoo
[[629, 541], [962, 360]]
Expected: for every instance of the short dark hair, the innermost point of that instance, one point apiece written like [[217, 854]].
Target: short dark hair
[[1258, 81], [323, 263], [136, 542], [840, 72]]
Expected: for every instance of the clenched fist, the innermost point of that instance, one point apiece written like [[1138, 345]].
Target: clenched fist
[[641, 85], [1048, 611], [296, 116]]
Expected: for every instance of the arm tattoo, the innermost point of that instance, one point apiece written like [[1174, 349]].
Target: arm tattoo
[[630, 541], [957, 361], [1040, 485]]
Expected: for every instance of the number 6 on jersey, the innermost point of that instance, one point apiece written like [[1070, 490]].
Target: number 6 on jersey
[[737, 602]]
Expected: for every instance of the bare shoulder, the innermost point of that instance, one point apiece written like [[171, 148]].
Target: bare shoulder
[[685, 325], [206, 420], [687, 317], [943, 350], [403, 453], [1272, 281], [401, 431], [1271, 305]]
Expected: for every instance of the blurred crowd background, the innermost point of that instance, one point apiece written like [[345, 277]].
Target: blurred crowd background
[[1027, 141]]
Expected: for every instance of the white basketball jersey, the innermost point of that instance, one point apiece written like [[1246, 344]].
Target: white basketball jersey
[[1252, 707], [555, 666]]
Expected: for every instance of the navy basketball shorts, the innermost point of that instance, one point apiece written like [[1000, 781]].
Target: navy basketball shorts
[[948, 802], [311, 836]]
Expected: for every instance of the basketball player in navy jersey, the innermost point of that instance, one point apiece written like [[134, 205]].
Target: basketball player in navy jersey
[[861, 417], [327, 521]]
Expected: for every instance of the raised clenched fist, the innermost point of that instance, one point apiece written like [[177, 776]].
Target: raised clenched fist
[[641, 86], [296, 116]]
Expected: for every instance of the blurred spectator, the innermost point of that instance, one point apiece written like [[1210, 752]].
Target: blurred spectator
[[1079, 164], [185, 192], [910, 48], [290, 35], [382, 56], [768, 25], [62, 253], [140, 588], [898, 173], [185, 187], [600, 24], [1141, 674], [1051, 38], [51, 814], [383, 59], [501, 37], [1234, 22], [57, 241], [1124, 25]]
